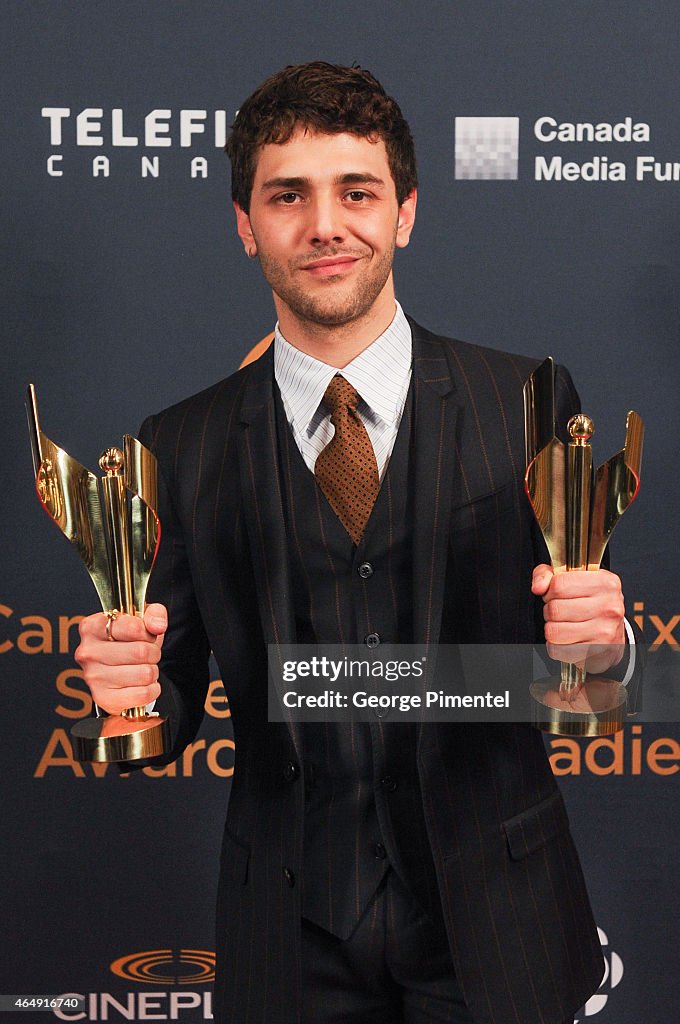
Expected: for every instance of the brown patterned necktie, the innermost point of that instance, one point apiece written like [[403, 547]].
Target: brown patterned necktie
[[346, 470]]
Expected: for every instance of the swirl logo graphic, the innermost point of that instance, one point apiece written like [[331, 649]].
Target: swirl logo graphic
[[612, 976], [186, 967]]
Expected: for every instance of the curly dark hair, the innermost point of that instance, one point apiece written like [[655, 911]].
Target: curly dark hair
[[326, 98]]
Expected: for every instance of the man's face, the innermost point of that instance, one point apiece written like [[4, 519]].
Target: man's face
[[324, 220]]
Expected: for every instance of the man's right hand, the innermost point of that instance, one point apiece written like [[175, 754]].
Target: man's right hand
[[123, 673]]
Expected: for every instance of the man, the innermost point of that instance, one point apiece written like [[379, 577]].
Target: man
[[361, 483]]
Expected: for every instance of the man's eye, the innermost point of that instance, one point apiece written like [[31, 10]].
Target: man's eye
[[357, 196], [288, 198]]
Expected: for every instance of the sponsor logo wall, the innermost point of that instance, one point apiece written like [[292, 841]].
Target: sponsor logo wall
[[549, 215]]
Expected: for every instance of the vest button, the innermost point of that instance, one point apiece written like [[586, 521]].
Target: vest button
[[291, 772], [365, 570], [289, 876], [372, 640], [389, 784], [380, 851]]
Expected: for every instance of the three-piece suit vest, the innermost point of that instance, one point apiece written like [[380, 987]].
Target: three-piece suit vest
[[363, 805]]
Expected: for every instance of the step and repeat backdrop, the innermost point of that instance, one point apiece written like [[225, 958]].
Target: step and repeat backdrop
[[548, 223]]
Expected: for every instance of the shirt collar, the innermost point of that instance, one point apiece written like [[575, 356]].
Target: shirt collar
[[381, 374]]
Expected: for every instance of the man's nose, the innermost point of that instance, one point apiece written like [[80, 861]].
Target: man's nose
[[326, 221]]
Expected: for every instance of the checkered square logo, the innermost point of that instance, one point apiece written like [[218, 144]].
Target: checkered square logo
[[487, 148]]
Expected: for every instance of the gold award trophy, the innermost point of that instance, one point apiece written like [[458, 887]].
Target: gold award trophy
[[577, 517], [117, 539]]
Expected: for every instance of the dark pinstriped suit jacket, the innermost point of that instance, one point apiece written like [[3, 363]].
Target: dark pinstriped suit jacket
[[521, 932]]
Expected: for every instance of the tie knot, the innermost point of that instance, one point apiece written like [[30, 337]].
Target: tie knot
[[340, 394]]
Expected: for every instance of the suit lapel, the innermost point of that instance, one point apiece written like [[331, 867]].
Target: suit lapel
[[435, 418], [263, 509]]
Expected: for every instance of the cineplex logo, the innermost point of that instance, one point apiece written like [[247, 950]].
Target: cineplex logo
[[157, 968], [487, 149]]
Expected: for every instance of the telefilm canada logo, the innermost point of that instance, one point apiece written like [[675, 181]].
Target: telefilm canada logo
[[186, 971], [556, 150], [106, 142]]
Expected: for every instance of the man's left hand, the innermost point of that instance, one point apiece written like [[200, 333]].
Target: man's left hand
[[584, 613]]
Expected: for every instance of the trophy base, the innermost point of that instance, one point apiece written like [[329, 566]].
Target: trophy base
[[598, 710], [117, 738]]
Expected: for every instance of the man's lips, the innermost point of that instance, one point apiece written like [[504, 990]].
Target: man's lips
[[330, 265]]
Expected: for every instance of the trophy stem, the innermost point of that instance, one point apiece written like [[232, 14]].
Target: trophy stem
[[579, 485], [134, 734], [116, 517], [579, 482], [114, 500], [572, 679]]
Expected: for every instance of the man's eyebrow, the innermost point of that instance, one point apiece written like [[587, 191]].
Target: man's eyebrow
[[283, 183], [351, 178], [359, 178]]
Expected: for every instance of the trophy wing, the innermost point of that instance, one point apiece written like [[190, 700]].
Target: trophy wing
[[544, 480], [544, 483], [69, 493], [141, 478], [617, 482], [539, 409]]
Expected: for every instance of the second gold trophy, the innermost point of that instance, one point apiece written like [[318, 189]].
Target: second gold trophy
[[577, 515]]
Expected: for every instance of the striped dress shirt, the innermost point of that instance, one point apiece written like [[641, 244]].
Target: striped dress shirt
[[381, 374]]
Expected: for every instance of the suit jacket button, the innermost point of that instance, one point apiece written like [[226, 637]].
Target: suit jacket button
[[289, 876], [389, 784], [365, 570], [372, 640], [380, 851], [291, 772]]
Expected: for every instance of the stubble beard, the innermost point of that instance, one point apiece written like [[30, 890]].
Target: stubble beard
[[332, 309]]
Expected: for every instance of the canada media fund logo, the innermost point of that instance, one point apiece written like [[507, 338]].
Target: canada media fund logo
[[487, 149]]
